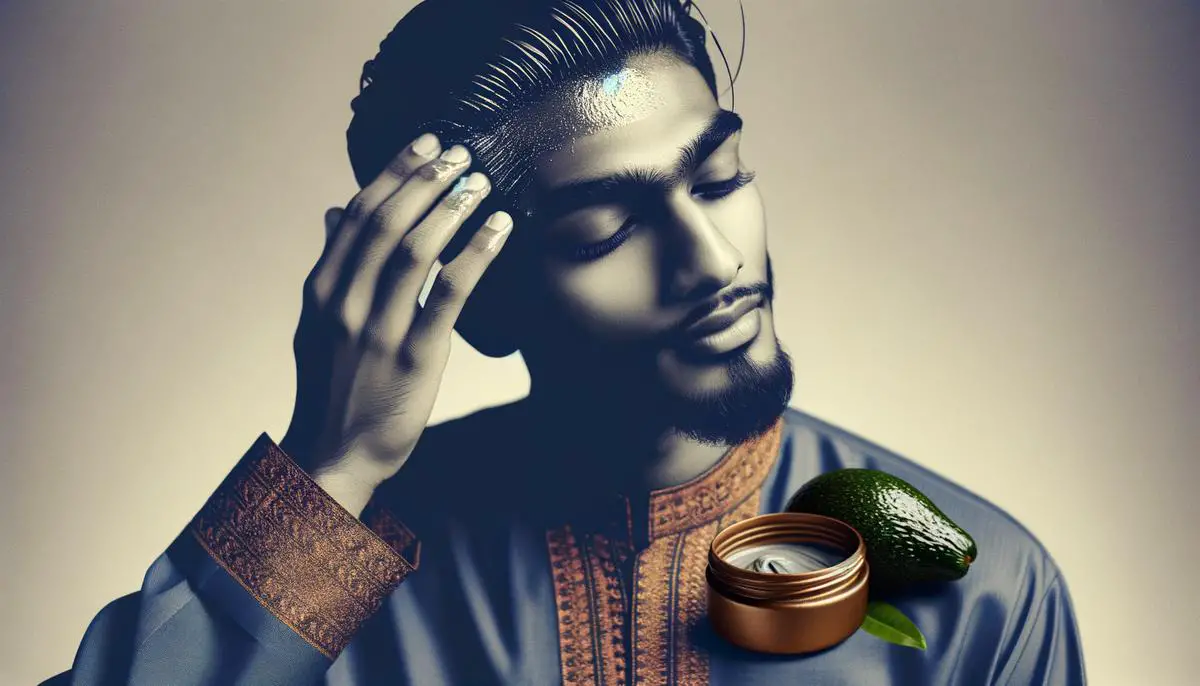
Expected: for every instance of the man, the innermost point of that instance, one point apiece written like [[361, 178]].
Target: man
[[571, 166]]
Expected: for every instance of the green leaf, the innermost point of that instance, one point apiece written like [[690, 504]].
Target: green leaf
[[889, 623]]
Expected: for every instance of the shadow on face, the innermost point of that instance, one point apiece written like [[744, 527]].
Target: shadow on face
[[648, 247]]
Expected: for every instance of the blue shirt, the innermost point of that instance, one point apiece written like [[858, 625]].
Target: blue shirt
[[514, 571]]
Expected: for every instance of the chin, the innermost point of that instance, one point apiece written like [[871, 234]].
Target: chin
[[732, 398], [688, 375]]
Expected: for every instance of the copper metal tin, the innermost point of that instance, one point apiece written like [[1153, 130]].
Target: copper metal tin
[[787, 613]]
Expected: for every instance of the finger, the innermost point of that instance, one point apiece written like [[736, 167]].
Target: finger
[[403, 276], [332, 262], [402, 167], [407, 268], [453, 286], [412, 200], [390, 222], [333, 218], [364, 204]]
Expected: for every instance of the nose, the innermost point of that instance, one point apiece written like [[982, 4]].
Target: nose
[[701, 260]]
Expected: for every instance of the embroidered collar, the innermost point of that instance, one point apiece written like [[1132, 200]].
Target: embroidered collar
[[716, 492], [639, 519], [498, 492]]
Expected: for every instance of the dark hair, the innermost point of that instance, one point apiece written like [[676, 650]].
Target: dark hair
[[461, 68], [464, 70]]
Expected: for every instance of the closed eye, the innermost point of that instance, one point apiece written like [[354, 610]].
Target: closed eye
[[596, 250], [709, 192], [720, 189]]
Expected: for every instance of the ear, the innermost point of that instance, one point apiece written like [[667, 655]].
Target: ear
[[491, 320]]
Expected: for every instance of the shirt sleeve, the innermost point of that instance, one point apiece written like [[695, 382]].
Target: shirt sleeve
[[267, 584], [1051, 654]]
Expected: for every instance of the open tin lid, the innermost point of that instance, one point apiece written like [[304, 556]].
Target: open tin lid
[[787, 583]]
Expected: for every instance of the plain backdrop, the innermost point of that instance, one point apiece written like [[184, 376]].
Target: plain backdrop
[[984, 225]]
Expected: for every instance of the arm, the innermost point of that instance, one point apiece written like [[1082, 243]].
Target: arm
[[275, 574], [266, 585]]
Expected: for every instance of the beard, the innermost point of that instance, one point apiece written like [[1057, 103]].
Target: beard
[[755, 397]]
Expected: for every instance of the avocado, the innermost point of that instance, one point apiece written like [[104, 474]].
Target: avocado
[[908, 539]]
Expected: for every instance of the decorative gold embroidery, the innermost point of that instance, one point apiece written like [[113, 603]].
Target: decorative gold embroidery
[[392, 531], [668, 578], [669, 613], [690, 664], [307, 560], [576, 641], [718, 490], [656, 582], [608, 601]]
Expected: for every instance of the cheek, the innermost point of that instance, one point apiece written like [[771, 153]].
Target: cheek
[[741, 219], [618, 298], [615, 297]]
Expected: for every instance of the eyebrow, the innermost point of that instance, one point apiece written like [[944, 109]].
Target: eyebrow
[[577, 195]]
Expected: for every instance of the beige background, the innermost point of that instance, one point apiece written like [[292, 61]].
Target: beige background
[[984, 224]]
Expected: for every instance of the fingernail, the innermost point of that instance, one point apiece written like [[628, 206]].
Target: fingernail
[[447, 165], [456, 155], [499, 222], [466, 191], [460, 185], [475, 182], [497, 226], [425, 145]]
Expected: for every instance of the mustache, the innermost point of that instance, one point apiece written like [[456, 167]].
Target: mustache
[[726, 298]]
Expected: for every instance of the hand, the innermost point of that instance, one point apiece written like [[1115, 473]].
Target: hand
[[369, 357]]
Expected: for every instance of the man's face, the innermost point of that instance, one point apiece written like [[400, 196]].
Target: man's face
[[651, 241]]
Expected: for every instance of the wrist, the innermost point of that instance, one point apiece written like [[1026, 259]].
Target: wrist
[[347, 479], [350, 490]]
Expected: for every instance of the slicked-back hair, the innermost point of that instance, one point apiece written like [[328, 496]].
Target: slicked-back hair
[[466, 69]]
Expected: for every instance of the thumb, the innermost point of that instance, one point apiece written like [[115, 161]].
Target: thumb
[[333, 217]]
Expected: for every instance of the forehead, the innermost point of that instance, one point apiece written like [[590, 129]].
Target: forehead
[[637, 116]]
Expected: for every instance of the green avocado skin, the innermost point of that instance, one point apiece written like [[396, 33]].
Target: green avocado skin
[[908, 539]]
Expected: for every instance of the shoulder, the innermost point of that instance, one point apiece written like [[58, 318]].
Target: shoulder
[[1010, 617], [1006, 547]]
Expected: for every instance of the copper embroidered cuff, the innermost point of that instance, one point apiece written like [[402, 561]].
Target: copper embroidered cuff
[[308, 561], [770, 591]]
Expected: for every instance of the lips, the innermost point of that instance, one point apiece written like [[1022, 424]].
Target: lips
[[722, 318]]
